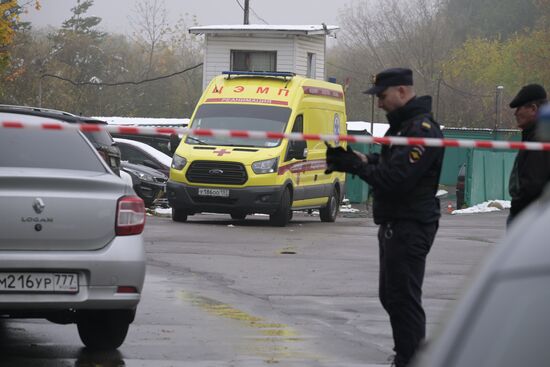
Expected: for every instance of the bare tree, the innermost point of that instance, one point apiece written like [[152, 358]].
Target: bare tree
[[394, 32], [151, 27], [381, 34]]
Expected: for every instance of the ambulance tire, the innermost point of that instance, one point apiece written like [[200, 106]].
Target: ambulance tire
[[238, 216], [179, 215], [282, 216], [330, 211]]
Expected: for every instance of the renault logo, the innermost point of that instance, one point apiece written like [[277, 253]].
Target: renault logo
[[215, 171], [38, 205]]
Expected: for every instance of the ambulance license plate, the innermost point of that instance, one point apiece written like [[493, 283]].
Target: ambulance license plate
[[39, 282], [218, 193]]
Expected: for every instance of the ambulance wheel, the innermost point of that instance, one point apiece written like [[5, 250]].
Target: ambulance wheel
[[330, 211], [179, 215], [281, 217], [238, 216]]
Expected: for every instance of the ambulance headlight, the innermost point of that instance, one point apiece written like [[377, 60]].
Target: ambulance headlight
[[267, 166], [178, 162]]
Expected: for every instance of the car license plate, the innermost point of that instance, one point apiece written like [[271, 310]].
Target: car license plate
[[221, 193], [39, 282]]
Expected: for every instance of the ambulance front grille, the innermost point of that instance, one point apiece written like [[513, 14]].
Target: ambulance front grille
[[212, 172]]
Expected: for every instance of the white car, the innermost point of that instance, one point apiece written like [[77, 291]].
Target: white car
[[71, 248]]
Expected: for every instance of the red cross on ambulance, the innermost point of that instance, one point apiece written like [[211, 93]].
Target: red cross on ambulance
[[221, 152]]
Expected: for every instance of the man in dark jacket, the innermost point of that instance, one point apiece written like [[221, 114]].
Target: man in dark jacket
[[531, 171], [404, 181]]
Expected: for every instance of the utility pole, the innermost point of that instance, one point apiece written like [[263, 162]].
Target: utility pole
[[438, 90], [246, 11], [498, 110], [40, 91]]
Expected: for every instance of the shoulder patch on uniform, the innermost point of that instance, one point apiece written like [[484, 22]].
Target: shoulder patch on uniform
[[416, 153], [426, 125]]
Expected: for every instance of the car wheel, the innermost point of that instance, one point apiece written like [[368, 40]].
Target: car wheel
[[330, 211], [281, 217], [103, 330], [179, 215], [238, 216]]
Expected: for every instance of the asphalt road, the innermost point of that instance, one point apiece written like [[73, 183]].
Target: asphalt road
[[225, 293]]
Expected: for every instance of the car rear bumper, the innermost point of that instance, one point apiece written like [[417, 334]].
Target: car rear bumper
[[257, 199], [100, 273]]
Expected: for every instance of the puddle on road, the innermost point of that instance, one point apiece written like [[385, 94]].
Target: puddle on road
[[274, 342]]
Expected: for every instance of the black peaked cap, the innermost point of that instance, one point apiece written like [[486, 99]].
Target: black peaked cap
[[529, 93], [391, 78]]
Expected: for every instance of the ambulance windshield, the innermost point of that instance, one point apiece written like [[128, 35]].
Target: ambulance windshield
[[239, 117]]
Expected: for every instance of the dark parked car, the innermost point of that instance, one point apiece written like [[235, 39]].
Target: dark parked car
[[148, 183], [140, 153], [502, 320], [101, 140]]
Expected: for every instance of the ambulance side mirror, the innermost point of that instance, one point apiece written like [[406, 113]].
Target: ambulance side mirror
[[174, 142], [297, 150]]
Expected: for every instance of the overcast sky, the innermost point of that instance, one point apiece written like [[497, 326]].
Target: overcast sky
[[115, 13]]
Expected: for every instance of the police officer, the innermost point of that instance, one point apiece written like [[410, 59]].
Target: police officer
[[404, 181], [531, 169]]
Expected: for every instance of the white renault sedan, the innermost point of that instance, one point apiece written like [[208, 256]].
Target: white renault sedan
[[71, 248]]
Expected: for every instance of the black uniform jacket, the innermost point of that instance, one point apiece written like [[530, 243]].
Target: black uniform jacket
[[405, 178], [531, 172]]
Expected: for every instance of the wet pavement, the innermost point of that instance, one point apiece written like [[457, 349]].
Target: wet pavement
[[226, 293]]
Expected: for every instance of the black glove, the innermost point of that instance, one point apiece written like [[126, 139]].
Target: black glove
[[341, 160]]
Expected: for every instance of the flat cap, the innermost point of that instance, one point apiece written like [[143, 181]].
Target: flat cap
[[390, 78], [529, 93]]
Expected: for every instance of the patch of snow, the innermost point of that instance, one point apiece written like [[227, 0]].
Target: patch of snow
[[379, 128], [159, 156], [481, 129], [441, 193], [262, 27], [163, 211], [144, 121], [486, 207], [348, 209]]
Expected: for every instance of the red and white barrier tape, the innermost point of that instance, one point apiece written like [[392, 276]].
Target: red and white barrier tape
[[393, 140]]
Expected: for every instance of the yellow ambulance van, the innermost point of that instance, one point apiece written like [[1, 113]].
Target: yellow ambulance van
[[241, 176]]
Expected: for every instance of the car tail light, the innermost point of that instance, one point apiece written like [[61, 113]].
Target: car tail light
[[130, 216]]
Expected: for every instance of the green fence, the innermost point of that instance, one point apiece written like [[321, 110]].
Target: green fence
[[487, 175], [456, 157], [483, 167], [357, 190]]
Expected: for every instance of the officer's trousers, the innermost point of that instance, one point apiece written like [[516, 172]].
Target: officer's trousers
[[404, 245]]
